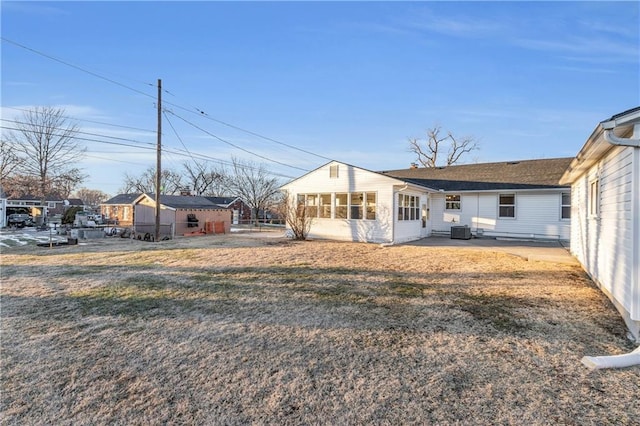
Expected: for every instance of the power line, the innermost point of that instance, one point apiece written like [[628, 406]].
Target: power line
[[205, 115], [88, 121], [92, 140], [197, 111], [152, 147], [53, 58], [77, 131], [236, 146]]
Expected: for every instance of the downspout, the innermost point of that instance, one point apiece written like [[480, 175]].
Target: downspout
[[632, 358]]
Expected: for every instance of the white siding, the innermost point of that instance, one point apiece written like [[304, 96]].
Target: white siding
[[606, 245], [350, 179], [538, 215], [408, 230]]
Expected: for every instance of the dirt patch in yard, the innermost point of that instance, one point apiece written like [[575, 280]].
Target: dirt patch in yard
[[237, 330]]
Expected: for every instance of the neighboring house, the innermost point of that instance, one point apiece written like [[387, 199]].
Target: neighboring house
[[605, 230], [139, 210], [33, 205], [180, 215], [119, 209], [520, 199], [241, 211]]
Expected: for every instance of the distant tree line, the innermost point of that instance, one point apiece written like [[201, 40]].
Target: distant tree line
[[244, 179]]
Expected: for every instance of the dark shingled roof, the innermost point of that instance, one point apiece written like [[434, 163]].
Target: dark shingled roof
[[186, 202], [525, 174], [175, 201], [122, 199], [222, 200]]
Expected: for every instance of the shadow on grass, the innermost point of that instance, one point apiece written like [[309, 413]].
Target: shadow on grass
[[317, 297]]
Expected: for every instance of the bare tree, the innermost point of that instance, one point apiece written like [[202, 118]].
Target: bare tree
[[204, 179], [252, 183], [9, 161], [171, 182], [430, 151], [45, 142], [91, 197], [295, 215]]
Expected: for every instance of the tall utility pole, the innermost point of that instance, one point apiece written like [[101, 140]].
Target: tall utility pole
[[158, 161]]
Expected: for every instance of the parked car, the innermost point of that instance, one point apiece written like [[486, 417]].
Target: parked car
[[19, 220]]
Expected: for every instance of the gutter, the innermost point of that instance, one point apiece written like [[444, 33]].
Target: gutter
[[610, 137]]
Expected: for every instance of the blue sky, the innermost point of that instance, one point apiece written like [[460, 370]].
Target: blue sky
[[351, 81]]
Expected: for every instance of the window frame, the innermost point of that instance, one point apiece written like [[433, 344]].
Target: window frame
[[448, 203], [408, 208], [322, 207], [564, 206], [501, 205], [311, 208], [338, 208], [371, 208], [594, 198]]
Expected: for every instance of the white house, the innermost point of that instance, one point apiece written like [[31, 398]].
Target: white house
[[519, 199], [605, 230]]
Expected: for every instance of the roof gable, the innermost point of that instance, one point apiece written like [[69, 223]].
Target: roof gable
[[331, 163]]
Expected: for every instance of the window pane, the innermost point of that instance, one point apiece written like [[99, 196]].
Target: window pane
[[452, 202], [325, 205], [566, 212], [371, 205], [508, 199], [357, 204], [341, 206], [507, 211], [566, 199]]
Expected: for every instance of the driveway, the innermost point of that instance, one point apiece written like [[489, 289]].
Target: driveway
[[550, 251]]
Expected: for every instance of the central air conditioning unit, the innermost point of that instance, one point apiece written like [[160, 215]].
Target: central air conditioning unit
[[460, 233]]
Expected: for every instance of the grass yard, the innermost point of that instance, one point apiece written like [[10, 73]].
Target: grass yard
[[238, 330]]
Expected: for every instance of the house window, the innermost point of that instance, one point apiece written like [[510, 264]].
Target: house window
[[507, 206], [341, 206], [594, 198], [356, 205], [333, 171], [371, 205], [408, 207], [312, 205], [125, 213], [566, 205], [452, 202], [325, 205]]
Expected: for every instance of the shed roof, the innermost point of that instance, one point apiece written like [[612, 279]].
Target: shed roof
[[525, 174], [186, 202]]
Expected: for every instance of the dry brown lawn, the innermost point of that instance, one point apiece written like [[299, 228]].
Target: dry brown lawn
[[237, 330]]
